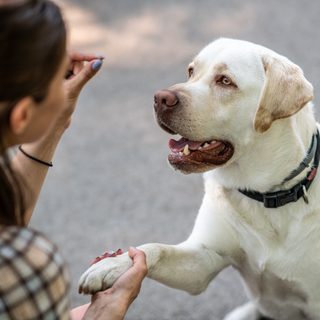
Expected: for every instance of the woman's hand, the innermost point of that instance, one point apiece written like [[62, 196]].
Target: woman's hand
[[31, 171], [113, 303], [78, 75]]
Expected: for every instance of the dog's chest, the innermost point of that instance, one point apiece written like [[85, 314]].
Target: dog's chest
[[284, 246], [281, 263]]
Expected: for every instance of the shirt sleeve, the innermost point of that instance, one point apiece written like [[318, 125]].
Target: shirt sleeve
[[34, 279]]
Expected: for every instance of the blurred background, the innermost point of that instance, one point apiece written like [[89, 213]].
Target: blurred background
[[111, 186]]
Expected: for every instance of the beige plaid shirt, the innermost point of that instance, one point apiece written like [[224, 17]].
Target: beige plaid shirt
[[34, 280]]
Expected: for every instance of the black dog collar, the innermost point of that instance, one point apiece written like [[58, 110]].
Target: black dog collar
[[281, 198]]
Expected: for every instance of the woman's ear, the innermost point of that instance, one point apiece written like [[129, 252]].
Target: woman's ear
[[21, 115]]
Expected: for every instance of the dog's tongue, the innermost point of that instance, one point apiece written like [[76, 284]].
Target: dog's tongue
[[178, 146]]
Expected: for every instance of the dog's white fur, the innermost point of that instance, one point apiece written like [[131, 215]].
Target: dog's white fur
[[270, 123]]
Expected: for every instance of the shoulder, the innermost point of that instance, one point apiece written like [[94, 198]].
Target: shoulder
[[34, 280]]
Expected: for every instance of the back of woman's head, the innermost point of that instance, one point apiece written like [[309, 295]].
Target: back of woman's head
[[32, 38], [32, 47]]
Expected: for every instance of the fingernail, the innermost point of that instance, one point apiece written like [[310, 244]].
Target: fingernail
[[133, 247], [104, 253], [101, 56], [111, 252], [97, 65]]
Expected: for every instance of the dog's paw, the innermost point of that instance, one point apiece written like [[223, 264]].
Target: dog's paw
[[103, 274]]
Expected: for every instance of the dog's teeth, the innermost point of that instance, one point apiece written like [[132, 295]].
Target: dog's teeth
[[200, 148], [213, 141], [186, 150], [180, 154], [206, 145]]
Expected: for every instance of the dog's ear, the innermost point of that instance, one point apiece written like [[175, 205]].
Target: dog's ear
[[284, 93]]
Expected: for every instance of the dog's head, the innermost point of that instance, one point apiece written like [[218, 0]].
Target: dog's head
[[235, 89]]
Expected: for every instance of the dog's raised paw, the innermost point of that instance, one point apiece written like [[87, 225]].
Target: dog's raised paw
[[103, 274]]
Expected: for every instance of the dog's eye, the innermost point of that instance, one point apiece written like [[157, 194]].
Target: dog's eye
[[190, 71], [225, 80]]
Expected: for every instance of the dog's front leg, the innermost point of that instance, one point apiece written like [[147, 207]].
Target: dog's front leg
[[187, 266]]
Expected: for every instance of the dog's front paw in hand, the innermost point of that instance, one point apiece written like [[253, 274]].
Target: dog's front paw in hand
[[103, 274]]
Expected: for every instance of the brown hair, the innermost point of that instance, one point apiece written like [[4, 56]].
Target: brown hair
[[32, 47]]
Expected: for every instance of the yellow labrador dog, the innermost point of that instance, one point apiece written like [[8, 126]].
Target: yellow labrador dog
[[246, 121]]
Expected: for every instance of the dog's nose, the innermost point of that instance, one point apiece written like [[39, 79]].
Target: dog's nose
[[165, 99]]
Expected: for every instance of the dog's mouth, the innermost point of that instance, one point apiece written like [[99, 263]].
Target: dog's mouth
[[190, 156], [186, 148]]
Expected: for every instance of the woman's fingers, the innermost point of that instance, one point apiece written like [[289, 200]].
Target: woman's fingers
[[75, 68], [79, 74], [80, 56], [77, 60], [107, 254], [76, 83]]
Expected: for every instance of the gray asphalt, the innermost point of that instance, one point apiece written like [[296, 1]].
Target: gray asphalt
[[111, 186]]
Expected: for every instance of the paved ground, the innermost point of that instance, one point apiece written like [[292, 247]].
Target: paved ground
[[111, 186]]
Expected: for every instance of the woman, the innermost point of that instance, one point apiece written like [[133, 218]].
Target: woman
[[36, 104]]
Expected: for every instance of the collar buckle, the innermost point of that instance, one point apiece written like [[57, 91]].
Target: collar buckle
[[280, 198]]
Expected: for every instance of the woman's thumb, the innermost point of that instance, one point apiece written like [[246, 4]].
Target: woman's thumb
[[138, 256]]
